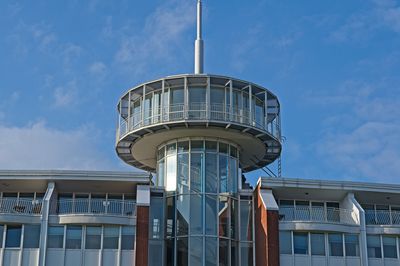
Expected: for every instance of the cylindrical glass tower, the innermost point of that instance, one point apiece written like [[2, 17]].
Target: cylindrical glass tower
[[201, 180]]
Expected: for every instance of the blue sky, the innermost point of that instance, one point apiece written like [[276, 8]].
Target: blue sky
[[335, 66]]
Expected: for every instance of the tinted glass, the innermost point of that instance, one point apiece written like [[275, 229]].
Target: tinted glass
[[211, 251], [285, 242], [1, 235], [111, 237], [31, 236], [55, 237], [74, 237], [335, 244], [389, 247], [128, 238], [13, 236], [318, 244], [374, 246], [351, 245], [196, 251], [300, 241]]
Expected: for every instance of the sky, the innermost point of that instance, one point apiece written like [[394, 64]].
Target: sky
[[335, 66]]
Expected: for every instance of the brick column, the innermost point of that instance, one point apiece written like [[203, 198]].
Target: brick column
[[142, 235], [142, 225], [266, 224]]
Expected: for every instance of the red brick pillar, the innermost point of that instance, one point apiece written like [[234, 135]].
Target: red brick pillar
[[142, 225], [142, 235], [266, 231]]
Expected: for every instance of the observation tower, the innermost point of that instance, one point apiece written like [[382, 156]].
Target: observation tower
[[198, 133]]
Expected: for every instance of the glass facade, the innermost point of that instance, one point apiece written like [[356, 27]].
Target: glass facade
[[207, 223]]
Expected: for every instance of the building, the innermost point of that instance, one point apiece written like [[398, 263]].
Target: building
[[198, 134]]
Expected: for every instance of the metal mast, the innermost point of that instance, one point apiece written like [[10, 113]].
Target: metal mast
[[198, 45]]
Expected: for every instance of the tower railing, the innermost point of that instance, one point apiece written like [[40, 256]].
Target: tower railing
[[197, 111], [21, 206], [97, 206]]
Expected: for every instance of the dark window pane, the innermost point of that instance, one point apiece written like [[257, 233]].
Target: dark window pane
[[196, 251], [155, 252], [389, 247], [196, 172], [211, 215], [285, 242], [317, 244], [211, 251], [223, 173], [183, 214], [246, 220], [128, 238], [374, 246], [196, 215], [351, 245], [111, 237], [246, 253], [13, 236], [211, 173], [55, 237], [31, 236], [223, 252], [74, 237], [1, 235], [335, 245], [223, 216], [183, 146], [300, 241], [182, 251]]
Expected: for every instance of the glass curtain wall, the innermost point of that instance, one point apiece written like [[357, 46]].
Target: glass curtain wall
[[202, 204]]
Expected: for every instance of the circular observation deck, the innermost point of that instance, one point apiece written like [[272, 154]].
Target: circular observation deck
[[200, 106]]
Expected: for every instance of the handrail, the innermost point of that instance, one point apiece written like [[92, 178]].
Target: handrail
[[97, 206], [317, 214], [382, 217], [21, 206], [196, 111]]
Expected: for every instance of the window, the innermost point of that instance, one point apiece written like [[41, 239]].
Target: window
[[31, 236], [74, 237], [317, 244], [300, 243], [55, 238], [389, 247], [13, 236], [374, 246], [352, 246], [128, 238], [110, 238], [285, 242], [1, 235], [335, 244], [93, 237]]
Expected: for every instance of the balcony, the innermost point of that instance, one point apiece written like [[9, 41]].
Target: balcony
[[318, 214], [21, 206], [382, 217], [123, 208]]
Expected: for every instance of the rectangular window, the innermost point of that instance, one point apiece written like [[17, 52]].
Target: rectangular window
[[93, 237], [352, 246], [55, 237], [13, 236], [335, 245], [31, 236], [300, 243], [74, 237], [318, 244], [374, 246], [111, 237], [389, 247], [1, 235], [285, 242], [128, 238]]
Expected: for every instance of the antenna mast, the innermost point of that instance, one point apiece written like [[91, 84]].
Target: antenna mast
[[198, 45]]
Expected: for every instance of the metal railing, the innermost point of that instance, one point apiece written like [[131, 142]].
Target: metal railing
[[97, 206], [382, 217], [197, 111], [318, 214], [21, 206]]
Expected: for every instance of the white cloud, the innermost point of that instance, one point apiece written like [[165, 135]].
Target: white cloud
[[160, 38], [65, 96], [98, 68], [38, 146]]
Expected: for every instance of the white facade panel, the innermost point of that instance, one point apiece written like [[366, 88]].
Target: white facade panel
[[127, 258], [110, 257], [11, 257], [318, 261], [391, 262], [91, 257], [286, 260], [30, 257], [336, 261], [375, 262], [353, 261], [73, 257], [300, 260], [55, 257]]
